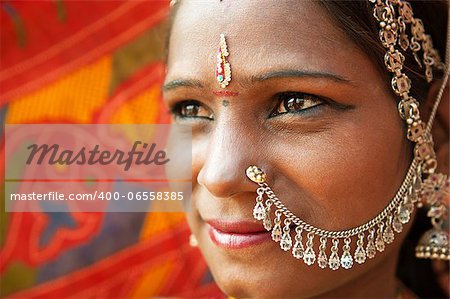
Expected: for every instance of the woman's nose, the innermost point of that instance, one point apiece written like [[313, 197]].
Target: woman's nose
[[224, 161]]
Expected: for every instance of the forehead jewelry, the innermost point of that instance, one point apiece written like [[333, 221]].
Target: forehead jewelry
[[223, 68], [421, 186]]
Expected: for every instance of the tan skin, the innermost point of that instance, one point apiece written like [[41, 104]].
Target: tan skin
[[335, 162]]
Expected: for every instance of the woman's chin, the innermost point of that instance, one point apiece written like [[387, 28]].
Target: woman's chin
[[262, 270]]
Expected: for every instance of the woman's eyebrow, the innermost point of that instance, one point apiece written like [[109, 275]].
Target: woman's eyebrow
[[182, 83], [287, 73], [292, 73]]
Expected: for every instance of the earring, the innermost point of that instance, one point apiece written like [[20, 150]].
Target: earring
[[434, 243], [193, 241]]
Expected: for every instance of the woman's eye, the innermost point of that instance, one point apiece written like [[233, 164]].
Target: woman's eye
[[296, 102], [191, 109]]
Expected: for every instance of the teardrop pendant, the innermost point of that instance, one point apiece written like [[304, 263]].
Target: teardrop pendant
[[371, 251], [379, 243], [322, 258], [309, 256], [286, 240], [259, 211], [408, 203], [388, 234], [276, 230], [360, 253], [334, 261], [417, 181], [267, 222], [298, 250], [346, 259], [403, 215], [397, 225]]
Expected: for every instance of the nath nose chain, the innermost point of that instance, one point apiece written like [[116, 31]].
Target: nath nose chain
[[421, 186]]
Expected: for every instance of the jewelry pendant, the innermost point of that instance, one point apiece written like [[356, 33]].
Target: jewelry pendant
[[258, 211], [360, 254], [371, 251], [388, 234], [276, 231], [397, 224], [334, 262], [267, 222], [404, 215], [286, 241], [322, 258], [379, 242], [298, 250], [346, 259], [309, 256], [223, 68]]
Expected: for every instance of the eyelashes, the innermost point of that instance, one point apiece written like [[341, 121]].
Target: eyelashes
[[287, 103], [295, 102], [191, 109]]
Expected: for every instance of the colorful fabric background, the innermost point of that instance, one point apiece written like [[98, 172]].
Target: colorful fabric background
[[90, 62]]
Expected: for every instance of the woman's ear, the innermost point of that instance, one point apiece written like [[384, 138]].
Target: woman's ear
[[440, 130]]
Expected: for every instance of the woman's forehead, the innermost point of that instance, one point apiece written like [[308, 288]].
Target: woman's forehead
[[251, 26], [261, 35]]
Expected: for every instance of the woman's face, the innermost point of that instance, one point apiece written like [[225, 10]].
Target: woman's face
[[304, 104]]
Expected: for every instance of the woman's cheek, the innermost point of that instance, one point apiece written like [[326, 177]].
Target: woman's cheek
[[346, 175]]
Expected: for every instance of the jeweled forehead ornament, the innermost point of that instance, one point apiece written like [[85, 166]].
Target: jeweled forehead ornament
[[420, 186], [223, 68]]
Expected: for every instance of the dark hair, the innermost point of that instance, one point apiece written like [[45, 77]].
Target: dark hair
[[355, 18]]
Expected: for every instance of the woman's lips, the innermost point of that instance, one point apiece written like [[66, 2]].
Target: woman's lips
[[237, 234]]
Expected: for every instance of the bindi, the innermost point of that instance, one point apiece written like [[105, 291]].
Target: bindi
[[225, 93]]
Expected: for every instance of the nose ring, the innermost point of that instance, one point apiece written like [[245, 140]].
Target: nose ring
[[256, 174]]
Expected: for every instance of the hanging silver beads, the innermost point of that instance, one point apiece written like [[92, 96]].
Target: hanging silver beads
[[346, 259], [334, 262], [298, 249], [309, 257], [372, 237], [286, 241], [360, 253]]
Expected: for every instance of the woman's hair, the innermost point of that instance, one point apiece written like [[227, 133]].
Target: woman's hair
[[355, 18]]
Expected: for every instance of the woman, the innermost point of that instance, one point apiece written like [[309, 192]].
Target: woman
[[300, 89]]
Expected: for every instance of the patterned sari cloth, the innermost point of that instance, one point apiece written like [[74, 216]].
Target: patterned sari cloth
[[90, 62]]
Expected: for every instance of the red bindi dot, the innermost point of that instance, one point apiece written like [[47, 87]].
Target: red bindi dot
[[225, 93]]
